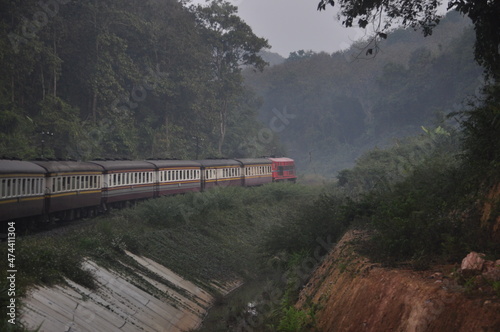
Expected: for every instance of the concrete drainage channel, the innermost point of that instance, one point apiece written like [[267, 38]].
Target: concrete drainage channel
[[118, 304]]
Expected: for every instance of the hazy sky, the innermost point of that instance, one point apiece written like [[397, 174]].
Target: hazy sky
[[292, 25]]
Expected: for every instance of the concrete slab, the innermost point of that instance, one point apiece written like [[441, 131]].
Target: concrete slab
[[117, 304]]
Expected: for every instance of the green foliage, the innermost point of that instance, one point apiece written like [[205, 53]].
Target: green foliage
[[327, 216], [423, 14], [112, 82], [482, 136], [294, 320], [47, 261], [379, 169]]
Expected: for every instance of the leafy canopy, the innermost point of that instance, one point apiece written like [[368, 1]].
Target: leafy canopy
[[423, 13]]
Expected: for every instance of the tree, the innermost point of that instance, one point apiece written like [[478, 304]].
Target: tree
[[233, 45], [423, 13]]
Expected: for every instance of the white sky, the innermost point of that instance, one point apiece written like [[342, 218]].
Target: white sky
[[292, 25]]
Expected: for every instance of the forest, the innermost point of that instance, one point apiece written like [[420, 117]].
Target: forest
[[123, 79], [349, 102]]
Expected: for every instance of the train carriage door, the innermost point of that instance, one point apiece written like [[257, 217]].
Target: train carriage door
[[105, 188], [203, 177]]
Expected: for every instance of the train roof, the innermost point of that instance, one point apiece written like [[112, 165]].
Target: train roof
[[123, 165], [53, 166], [219, 162], [174, 163], [20, 167], [254, 161], [281, 160]]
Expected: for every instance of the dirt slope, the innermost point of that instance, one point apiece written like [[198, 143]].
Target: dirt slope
[[352, 294]]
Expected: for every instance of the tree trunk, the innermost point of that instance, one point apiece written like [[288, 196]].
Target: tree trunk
[[54, 69], [222, 125], [43, 82]]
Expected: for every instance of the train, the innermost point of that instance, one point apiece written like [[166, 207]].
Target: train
[[53, 190]]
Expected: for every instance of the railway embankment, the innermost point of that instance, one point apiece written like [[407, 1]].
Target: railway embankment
[[157, 266]]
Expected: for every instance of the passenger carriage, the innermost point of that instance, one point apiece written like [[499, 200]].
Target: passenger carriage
[[22, 189], [125, 180], [220, 172], [256, 171], [72, 189], [176, 176]]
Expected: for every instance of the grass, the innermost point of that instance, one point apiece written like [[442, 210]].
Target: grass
[[205, 237]]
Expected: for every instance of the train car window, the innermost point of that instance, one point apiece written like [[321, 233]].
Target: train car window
[[29, 186], [3, 188], [10, 187], [13, 189]]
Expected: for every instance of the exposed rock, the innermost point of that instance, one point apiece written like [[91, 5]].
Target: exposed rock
[[472, 264]]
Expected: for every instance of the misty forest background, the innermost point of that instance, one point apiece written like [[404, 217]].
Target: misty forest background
[[119, 79], [408, 126]]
